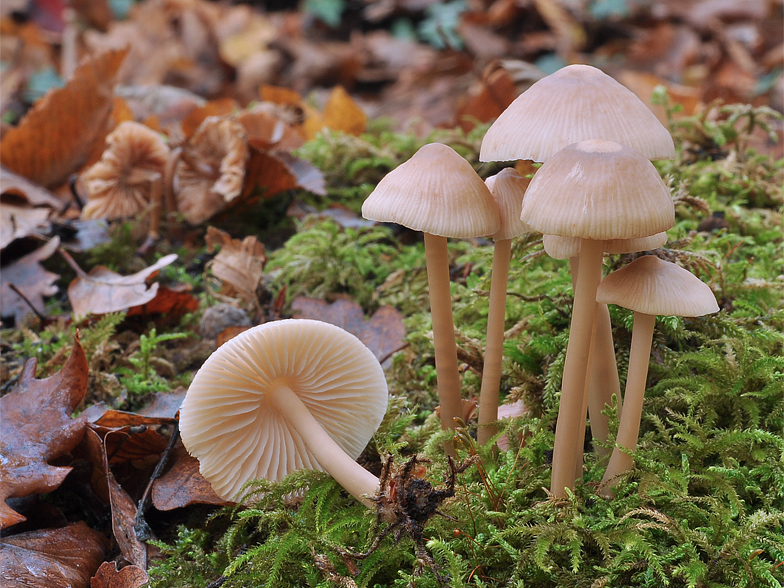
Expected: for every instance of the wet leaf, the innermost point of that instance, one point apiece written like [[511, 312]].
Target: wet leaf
[[52, 558], [31, 279], [182, 484], [102, 290], [127, 436], [382, 334], [37, 427], [240, 263], [108, 576], [54, 138]]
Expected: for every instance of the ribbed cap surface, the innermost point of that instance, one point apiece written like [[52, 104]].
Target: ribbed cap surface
[[652, 286], [436, 192], [598, 190], [508, 188], [576, 103], [565, 247], [225, 420]]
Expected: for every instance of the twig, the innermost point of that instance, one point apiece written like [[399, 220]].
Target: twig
[[140, 527], [27, 301]]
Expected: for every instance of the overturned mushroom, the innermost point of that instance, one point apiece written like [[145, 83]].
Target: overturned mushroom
[[283, 396]]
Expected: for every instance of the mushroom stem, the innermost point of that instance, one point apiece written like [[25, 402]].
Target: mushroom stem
[[494, 347], [603, 380], [359, 482], [570, 410], [447, 375], [629, 428]]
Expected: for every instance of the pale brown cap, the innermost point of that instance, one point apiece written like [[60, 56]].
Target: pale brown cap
[[436, 192], [121, 183], [211, 169], [226, 422], [508, 188], [652, 286], [598, 190], [576, 103], [565, 247]]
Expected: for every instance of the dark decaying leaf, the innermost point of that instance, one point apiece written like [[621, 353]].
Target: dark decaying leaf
[[108, 576], [52, 558], [55, 137], [382, 334], [127, 436], [31, 279], [182, 484], [36, 426]]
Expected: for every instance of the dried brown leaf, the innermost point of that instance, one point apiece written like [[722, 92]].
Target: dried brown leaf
[[52, 557], [37, 427], [182, 484], [342, 113], [36, 195], [108, 576], [220, 107], [19, 221], [31, 279], [240, 263], [55, 136]]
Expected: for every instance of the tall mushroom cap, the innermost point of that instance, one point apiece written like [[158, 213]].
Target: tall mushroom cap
[[436, 192], [508, 188], [559, 247], [120, 184], [655, 287], [598, 190], [576, 103], [226, 422]]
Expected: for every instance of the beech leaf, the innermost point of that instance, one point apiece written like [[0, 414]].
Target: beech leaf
[[37, 427], [240, 263]]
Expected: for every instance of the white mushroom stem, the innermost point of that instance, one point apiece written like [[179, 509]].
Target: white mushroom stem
[[447, 375], [603, 382], [357, 481], [571, 409], [494, 347], [629, 428]]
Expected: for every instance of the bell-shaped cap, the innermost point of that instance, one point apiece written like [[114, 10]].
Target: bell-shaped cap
[[508, 188], [576, 103], [598, 190], [228, 424], [652, 286], [559, 247], [436, 192]]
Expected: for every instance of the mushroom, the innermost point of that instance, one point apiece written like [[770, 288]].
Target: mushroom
[[127, 178], [507, 188], [283, 396], [596, 190], [209, 173], [649, 287], [439, 193], [576, 103]]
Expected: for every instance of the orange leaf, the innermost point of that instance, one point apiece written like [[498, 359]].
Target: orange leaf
[[342, 113], [279, 95], [220, 107], [54, 138], [108, 576]]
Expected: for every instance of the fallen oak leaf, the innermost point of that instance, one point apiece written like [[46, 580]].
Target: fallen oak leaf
[[68, 119], [32, 280], [183, 485], [37, 427], [101, 290], [67, 556], [108, 576]]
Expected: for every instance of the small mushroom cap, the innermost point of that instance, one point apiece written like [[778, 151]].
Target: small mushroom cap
[[226, 422], [652, 286], [559, 247], [508, 188], [120, 184], [576, 103], [598, 190], [436, 192]]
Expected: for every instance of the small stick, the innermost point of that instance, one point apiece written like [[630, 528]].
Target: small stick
[[140, 527], [27, 301]]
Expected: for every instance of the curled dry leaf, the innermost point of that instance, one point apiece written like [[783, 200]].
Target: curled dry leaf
[[37, 427], [240, 263], [120, 185], [27, 275], [34, 194], [18, 221], [67, 556], [108, 576], [211, 169], [103, 290], [54, 138]]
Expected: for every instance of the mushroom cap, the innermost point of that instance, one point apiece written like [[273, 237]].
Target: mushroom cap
[[227, 423], [598, 190], [120, 184], [652, 286], [576, 103], [211, 170], [565, 247], [436, 192], [508, 188]]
